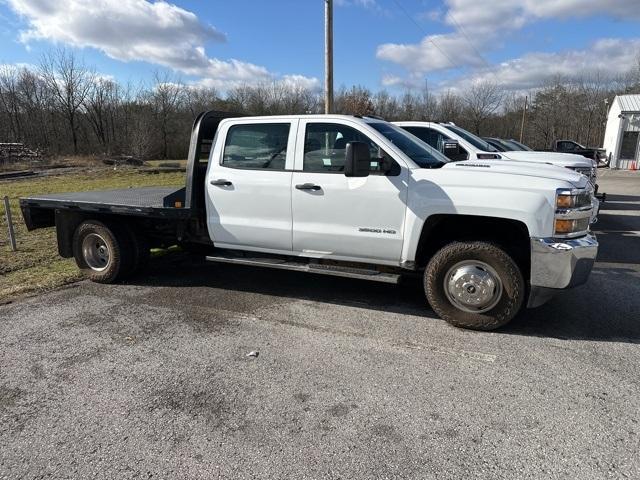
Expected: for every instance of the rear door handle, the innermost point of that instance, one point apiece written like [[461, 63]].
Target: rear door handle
[[309, 186], [221, 182]]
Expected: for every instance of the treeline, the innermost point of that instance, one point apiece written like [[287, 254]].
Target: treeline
[[64, 107]]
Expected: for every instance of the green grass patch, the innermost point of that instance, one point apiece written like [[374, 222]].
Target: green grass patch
[[36, 265]]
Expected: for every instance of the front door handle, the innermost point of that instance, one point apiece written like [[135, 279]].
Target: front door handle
[[221, 182], [309, 186]]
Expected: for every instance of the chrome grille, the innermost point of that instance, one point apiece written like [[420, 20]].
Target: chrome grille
[[590, 173]]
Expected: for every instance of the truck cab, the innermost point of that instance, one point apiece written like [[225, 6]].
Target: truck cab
[[569, 146], [353, 197]]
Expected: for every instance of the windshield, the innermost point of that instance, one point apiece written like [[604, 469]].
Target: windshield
[[505, 145], [521, 146], [477, 142], [420, 152], [498, 144]]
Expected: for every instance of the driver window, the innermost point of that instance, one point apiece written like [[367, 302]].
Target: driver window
[[567, 146], [325, 147], [261, 145], [434, 138]]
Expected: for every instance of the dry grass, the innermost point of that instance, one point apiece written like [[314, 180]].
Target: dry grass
[[52, 162], [36, 265], [167, 163]]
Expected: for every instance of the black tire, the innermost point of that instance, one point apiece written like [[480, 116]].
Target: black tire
[[116, 242], [507, 301]]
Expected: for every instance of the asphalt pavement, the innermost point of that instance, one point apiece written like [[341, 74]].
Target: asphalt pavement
[[352, 379]]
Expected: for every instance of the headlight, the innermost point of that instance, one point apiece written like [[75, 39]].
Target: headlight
[[576, 198], [573, 212], [568, 227]]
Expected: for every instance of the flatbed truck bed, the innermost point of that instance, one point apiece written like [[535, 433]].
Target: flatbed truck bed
[[149, 216], [154, 202]]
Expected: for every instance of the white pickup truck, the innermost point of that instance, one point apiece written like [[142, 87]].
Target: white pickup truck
[[467, 146], [347, 196]]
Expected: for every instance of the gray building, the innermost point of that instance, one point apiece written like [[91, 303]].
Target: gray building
[[622, 135]]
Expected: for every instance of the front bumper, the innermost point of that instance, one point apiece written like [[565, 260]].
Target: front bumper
[[558, 264]]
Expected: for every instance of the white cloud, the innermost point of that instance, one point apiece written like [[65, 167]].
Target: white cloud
[[158, 32], [407, 83], [576, 8], [479, 25], [435, 52], [290, 81], [606, 57], [300, 81], [16, 67]]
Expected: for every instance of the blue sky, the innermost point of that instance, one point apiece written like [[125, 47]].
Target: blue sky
[[392, 44]]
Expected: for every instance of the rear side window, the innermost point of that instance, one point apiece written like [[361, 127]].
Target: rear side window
[[428, 135], [257, 146]]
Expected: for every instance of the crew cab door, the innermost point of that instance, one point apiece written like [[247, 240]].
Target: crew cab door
[[249, 185], [334, 216]]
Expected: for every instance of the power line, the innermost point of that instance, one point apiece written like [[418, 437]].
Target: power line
[[424, 32], [450, 15], [428, 37]]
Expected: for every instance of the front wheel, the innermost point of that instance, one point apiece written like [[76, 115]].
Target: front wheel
[[474, 285]]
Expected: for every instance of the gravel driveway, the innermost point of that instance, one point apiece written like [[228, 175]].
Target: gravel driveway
[[352, 380]]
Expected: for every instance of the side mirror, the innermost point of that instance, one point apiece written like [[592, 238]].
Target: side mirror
[[357, 161], [451, 149]]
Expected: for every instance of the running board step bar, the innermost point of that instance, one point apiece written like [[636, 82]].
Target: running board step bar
[[322, 269]]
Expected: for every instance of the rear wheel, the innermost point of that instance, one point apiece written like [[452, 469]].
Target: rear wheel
[[474, 285], [103, 253]]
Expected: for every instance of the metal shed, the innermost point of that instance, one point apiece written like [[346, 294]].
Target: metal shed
[[622, 135]]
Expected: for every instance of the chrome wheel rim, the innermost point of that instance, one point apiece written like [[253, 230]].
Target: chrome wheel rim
[[473, 286], [95, 252]]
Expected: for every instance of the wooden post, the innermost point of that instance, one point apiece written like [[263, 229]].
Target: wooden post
[[328, 56], [524, 111], [12, 237]]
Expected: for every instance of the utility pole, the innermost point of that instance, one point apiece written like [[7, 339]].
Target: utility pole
[[328, 56], [524, 112]]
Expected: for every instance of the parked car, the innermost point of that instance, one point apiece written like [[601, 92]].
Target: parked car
[[520, 144], [472, 147], [346, 196], [503, 145], [569, 146]]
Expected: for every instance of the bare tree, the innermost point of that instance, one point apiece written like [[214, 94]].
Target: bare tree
[[70, 81], [385, 106], [9, 100], [64, 107], [481, 100], [165, 98], [355, 101], [103, 98], [450, 107], [199, 99]]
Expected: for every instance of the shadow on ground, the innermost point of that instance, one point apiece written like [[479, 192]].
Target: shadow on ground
[[605, 309]]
